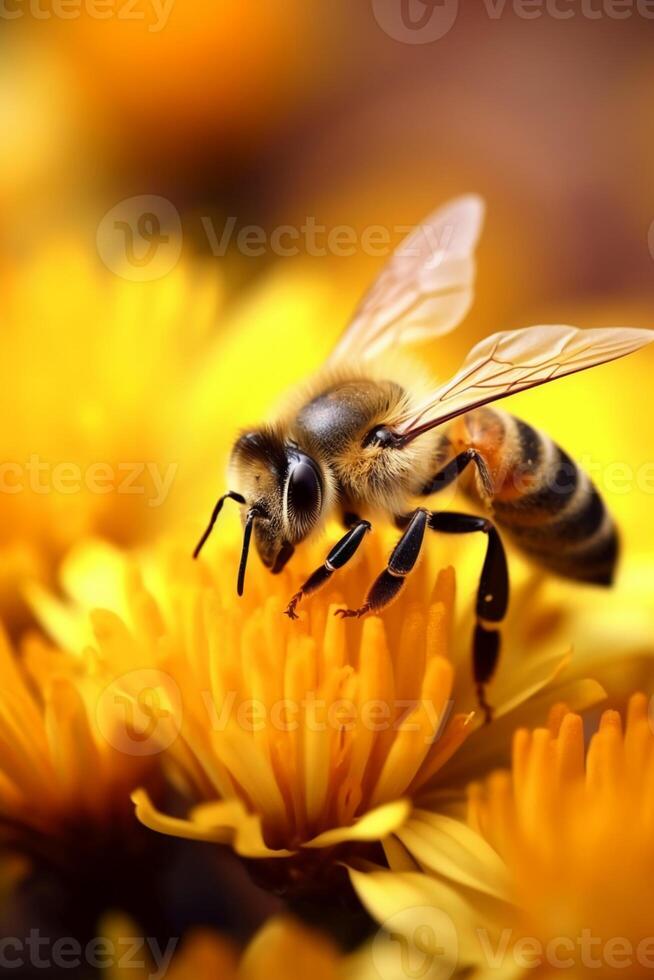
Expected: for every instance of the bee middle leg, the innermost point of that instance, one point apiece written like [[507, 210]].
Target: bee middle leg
[[492, 592], [339, 556]]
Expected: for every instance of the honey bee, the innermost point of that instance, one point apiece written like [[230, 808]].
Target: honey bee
[[370, 436]]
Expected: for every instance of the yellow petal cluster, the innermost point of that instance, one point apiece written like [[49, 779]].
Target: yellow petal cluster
[[576, 831], [290, 738], [553, 873], [297, 734], [58, 772]]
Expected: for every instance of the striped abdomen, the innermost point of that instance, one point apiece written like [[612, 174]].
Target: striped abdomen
[[549, 506]]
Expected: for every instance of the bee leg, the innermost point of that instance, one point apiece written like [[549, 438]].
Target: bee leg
[[340, 555], [452, 470], [403, 557], [492, 596]]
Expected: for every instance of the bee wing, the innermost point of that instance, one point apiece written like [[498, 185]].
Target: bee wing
[[514, 360], [425, 290]]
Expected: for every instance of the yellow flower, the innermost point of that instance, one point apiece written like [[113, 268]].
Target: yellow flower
[[59, 775], [135, 395], [76, 456], [296, 737], [555, 871]]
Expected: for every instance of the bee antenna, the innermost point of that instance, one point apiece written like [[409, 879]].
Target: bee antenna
[[232, 495], [247, 534]]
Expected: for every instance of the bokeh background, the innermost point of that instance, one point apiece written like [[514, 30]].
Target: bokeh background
[[160, 159], [216, 117]]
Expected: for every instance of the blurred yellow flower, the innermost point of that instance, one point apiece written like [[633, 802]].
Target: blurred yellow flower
[[91, 445], [555, 871], [59, 775], [138, 397], [284, 949]]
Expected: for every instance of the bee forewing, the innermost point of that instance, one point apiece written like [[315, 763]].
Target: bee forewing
[[515, 360], [425, 290]]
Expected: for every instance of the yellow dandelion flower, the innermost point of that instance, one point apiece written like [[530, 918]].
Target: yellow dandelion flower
[[554, 870], [293, 738], [59, 776]]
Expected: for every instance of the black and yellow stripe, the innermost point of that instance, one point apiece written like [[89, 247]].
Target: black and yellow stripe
[[547, 504]]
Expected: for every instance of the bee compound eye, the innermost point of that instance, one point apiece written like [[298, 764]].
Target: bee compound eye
[[304, 490]]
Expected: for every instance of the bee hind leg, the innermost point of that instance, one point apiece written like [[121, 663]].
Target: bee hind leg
[[492, 597], [452, 470], [339, 556]]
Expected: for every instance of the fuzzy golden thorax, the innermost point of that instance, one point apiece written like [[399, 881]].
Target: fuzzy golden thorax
[[318, 459]]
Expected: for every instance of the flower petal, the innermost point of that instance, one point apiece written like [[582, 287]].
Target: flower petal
[[375, 825], [284, 948], [450, 848], [224, 822], [404, 902]]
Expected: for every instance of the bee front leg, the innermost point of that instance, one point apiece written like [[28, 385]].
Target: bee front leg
[[339, 556], [403, 558]]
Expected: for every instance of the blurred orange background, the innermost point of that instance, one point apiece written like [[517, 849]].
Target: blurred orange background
[[238, 115]]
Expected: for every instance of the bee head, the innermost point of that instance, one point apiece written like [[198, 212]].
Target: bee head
[[282, 490]]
